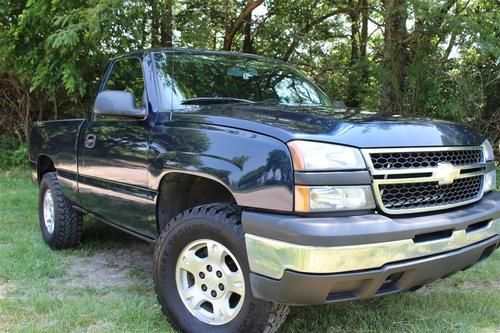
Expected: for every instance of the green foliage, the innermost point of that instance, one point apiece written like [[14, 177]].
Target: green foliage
[[55, 51], [12, 154]]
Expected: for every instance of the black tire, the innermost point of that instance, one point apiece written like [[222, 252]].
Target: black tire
[[222, 223], [68, 223]]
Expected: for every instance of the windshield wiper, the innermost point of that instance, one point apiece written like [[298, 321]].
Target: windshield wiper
[[215, 100]]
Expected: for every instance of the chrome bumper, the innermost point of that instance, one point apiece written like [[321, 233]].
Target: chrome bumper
[[270, 258]]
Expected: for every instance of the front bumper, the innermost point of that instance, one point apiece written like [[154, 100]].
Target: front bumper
[[316, 260], [302, 288]]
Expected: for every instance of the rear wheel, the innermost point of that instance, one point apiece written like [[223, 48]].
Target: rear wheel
[[60, 223], [202, 275]]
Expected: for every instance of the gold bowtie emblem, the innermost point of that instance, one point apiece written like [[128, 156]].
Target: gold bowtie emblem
[[446, 173]]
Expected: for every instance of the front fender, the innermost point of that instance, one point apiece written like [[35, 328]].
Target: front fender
[[256, 169]]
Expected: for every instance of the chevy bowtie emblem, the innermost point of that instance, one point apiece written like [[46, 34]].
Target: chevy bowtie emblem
[[445, 173]]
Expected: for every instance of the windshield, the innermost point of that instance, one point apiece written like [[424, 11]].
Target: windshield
[[188, 79]]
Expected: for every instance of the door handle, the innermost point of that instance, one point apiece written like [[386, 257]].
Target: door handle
[[90, 141]]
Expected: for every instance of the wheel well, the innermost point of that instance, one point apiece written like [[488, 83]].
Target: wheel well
[[179, 192], [44, 165]]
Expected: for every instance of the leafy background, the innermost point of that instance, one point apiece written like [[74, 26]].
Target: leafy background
[[435, 59]]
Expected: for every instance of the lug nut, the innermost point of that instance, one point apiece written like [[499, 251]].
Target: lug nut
[[209, 268], [219, 274], [203, 287], [213, 293], [221, 286], [202, 275]]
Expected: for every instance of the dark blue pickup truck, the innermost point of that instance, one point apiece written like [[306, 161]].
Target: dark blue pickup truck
[[259, 193]]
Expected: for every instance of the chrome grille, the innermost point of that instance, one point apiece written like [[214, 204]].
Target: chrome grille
[[424, 159], [412, 180], [429, 194]]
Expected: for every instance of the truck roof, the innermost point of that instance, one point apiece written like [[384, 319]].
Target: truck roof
[[142, 53]]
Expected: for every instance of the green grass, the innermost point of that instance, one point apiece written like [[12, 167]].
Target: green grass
[[105, 286]]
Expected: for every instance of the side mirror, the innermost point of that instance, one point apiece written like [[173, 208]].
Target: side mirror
[[117, 103]]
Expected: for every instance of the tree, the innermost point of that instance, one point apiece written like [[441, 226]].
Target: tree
[[429, 58], [243, 18], [161, 22], [395, 54]]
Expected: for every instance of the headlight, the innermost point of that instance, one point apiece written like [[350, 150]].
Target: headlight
[[333, 198], [487, 151], [315, 156], [490, 181]]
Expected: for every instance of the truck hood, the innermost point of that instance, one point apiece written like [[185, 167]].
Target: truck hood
[[353, 127]]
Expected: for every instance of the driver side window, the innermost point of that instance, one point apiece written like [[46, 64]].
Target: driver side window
[[126, 75]]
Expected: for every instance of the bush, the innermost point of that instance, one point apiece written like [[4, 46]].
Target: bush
[[12, 153]]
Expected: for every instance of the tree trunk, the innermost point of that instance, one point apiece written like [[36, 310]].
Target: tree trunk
[[144, 35], [244, 16], [395, 55], [364, 30], [167, 25], [248, 41], [353, 84], [363, 42], [155, 24]]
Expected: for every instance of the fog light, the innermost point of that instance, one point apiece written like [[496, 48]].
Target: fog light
[[490, 181], [333, 198]]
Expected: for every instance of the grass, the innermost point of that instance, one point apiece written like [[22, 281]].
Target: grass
[[105, 286]]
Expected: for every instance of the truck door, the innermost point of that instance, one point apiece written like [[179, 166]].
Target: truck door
[[113, 171]]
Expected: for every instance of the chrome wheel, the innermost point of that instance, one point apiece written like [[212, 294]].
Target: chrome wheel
[[48, 212], [210, 282]]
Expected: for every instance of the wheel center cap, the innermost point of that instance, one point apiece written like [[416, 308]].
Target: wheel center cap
[[216, 285]]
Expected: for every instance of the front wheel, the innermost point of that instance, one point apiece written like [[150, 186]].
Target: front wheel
[[202, 275]]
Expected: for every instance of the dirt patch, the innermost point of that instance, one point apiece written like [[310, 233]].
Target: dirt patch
[[489, 285], [100, 326], [466, 285], [3, 293], [107, 268], [5, 290]]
